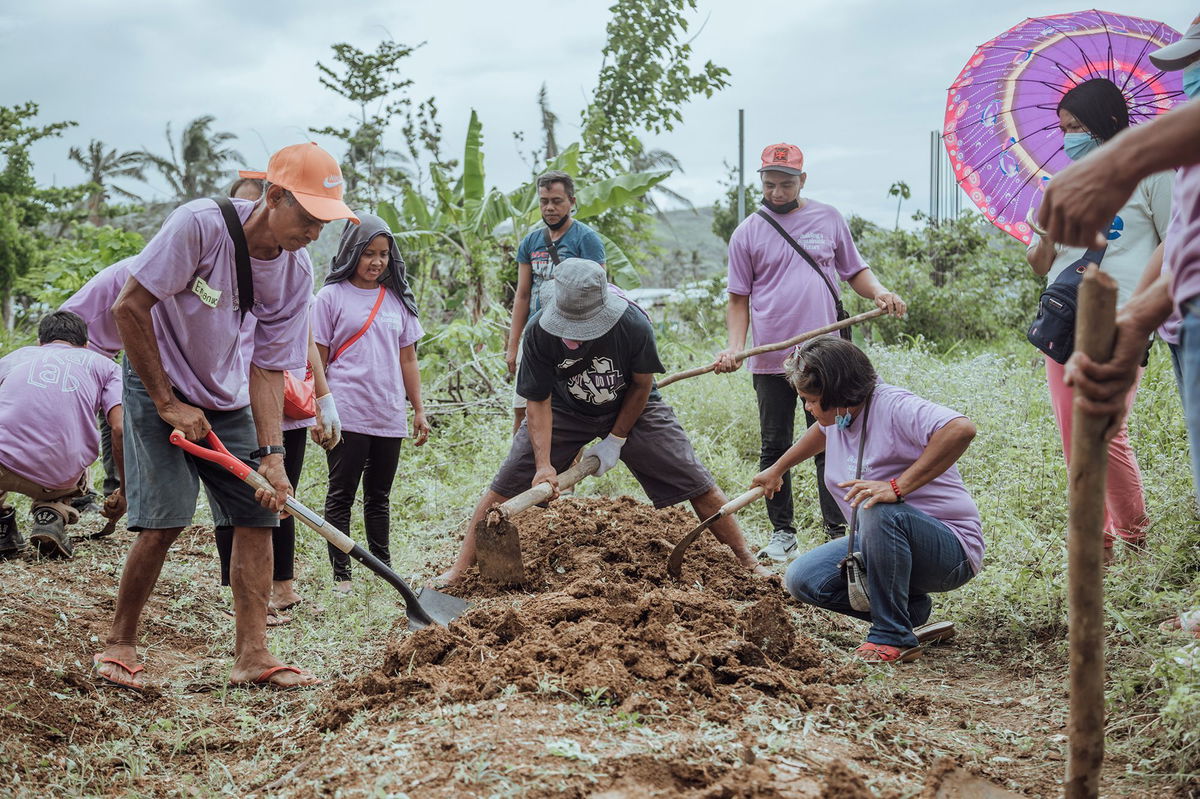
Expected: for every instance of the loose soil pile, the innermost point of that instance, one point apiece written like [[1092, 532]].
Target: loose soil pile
[[606, 625]]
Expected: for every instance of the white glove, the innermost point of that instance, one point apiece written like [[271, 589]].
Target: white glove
[[608, 451], [329, 424]]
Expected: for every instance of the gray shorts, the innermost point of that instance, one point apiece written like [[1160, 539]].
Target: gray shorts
[[163, 481], [657, 452]]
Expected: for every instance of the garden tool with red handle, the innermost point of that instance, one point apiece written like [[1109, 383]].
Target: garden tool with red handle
[[422, 608]]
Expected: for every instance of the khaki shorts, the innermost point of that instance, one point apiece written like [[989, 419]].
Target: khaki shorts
[[43, 497], [657, 452]]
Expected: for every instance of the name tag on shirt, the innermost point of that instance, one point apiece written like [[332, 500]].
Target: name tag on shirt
[[207, 294]]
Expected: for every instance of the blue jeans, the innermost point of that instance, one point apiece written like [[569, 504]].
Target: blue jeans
[[908, 555], [1189, 382]]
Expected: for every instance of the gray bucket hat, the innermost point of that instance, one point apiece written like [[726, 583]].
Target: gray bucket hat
[[1181, 53], [577, 304]]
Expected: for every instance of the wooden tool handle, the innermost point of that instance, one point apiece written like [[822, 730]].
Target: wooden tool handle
[[542, 491], [791, 342], [1094, 336], [742, 500]]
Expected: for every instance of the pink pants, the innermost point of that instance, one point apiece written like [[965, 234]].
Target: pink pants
[[1124, 504]]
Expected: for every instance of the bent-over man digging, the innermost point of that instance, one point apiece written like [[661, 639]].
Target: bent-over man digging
[[587, 371], [182, 319]]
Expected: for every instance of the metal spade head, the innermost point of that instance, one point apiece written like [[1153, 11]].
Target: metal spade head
[[498, 550], [440, 609]]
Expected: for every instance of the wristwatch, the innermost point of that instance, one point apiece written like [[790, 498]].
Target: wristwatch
[[263, 452]]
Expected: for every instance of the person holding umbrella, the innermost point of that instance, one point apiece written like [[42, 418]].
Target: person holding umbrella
[[1090, 115], [890, 462], [1078, 205]]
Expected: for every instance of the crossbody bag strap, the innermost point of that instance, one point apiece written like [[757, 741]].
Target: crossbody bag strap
[[554, 259], [1073, 274], [858, 469], [837, 300], [359, 334], [241, 254]]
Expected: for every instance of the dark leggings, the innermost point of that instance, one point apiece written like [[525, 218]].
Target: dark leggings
[[283, 537], [373, 460]]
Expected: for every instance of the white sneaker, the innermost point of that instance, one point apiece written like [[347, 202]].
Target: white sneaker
[[781, 547]]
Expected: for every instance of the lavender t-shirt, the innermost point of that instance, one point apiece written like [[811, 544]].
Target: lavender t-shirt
[[787, 297], [1181, 254], [49, 399], [366, 378], [899, 427], [94, 304], [189, 266]]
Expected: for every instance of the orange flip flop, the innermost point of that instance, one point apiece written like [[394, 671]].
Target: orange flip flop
[[882, 653], [98, 659], [264, 680]]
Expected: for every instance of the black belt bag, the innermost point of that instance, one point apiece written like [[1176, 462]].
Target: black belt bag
[[1053, 329]]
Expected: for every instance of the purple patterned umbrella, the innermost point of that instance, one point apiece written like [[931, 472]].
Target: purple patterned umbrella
[[1001, 126]]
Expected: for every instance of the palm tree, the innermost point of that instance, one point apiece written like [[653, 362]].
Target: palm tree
[[899, 189], [101, 168], [549, 123], [645, 160], [197, 166]]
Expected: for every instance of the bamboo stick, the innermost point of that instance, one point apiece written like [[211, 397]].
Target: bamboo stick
[[791, 342], [1094, 334]]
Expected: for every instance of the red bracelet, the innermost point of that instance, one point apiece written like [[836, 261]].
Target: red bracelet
[[899, 496]]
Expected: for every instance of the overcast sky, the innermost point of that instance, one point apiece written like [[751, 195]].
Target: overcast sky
[[857, 84]]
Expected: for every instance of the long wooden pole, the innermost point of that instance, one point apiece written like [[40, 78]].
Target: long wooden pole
[[779, 345], [1094, 333]]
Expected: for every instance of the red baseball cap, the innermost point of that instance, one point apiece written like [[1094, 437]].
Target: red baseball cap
[[782, 157], [313, 176]]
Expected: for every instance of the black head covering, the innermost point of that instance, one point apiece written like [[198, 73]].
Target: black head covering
[[355, 239]]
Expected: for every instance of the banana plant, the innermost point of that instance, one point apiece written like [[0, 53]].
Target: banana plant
[[480, 227]]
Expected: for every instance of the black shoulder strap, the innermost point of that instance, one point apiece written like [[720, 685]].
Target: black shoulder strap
[[858, 469], [803, 254], [241, 254], [1073, 274], [554, 259]]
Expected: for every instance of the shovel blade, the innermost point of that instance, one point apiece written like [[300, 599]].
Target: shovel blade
[[442, 608], [498, 552]]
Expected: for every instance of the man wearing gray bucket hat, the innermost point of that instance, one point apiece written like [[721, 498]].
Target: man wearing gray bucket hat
[[1079, 203], [587, 370]]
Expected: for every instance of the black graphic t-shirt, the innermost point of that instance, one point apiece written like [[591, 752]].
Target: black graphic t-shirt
[[626, 349]]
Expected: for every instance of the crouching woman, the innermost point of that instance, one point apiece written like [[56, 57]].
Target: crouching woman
[[915, 523]]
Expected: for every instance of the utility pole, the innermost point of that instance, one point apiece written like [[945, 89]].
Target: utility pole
[[741, 190]]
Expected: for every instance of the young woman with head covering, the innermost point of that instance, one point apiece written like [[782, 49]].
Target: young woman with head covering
[[366, 329], [1090, 115]]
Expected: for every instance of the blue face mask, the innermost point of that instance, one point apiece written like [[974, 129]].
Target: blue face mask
[[1077, 145], [1191, 80]]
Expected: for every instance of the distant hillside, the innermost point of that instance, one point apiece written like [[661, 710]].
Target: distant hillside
[[691, 251]]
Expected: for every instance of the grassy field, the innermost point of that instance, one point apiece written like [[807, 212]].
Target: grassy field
[[993, 701]]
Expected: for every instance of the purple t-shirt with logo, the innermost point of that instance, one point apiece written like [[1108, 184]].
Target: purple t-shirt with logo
[[49, 399], [1181, 253], [189, 266], [787, 297], [366, 378], [899, 427], [94, 304]]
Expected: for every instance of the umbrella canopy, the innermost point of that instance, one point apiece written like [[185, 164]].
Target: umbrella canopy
[[1001, 128]]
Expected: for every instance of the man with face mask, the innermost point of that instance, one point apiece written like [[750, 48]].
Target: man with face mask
[[785, 264], [540, 251], [1079, 203]]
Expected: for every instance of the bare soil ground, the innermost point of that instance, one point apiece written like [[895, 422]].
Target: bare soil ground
[[604, 679]]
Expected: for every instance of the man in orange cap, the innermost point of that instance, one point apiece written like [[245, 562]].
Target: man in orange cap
[[786, 264], [182, 319]]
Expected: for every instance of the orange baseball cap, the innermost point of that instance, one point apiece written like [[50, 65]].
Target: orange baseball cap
[[783, 157], [313, 176]]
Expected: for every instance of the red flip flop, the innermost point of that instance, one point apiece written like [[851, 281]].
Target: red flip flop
[[98, 659], [882, 653], [264, 680]]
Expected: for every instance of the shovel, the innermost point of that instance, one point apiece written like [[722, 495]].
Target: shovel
[[423, 609], [675, 561], [497, 544]]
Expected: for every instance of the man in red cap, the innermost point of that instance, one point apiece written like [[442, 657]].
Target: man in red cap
[[182, 317], [785, 264]]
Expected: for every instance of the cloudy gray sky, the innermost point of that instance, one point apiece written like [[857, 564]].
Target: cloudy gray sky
[[857, 84]]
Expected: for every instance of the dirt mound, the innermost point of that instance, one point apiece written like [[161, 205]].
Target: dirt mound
[[606, 626]]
